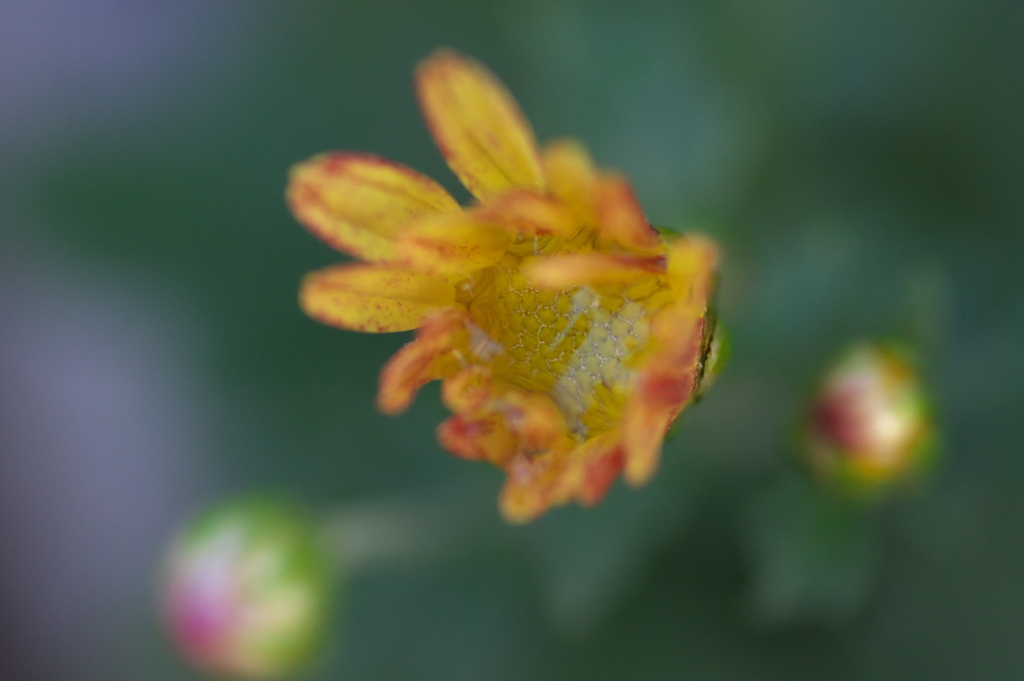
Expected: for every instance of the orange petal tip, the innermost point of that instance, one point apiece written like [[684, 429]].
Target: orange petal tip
[[417, 363], [620, 218], [477, 125]]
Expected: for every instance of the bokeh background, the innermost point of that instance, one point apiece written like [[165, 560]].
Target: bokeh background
[[861, 161]]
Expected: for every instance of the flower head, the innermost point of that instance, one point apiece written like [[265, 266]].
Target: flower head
[[567, 332], [870, 424], [245, 590]]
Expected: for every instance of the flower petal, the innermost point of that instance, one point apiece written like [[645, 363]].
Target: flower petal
[[373, 298], [599, 461], [357, 202], [662, 389], [534, 418], [572, 178], [477, 125], [484, 437], [467, 391], [528, 213], [620, 218], [692, 263], [452, 244], [591, 269], [419, 362], [532, 486], [478, 431], [537, 483], [669, 375]]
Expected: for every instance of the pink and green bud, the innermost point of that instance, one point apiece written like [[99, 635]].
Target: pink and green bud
[[870, 424], [246, 589]]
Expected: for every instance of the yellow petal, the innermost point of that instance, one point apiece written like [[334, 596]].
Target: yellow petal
[[534, 418], [590, 269], [530, 214], [572, 177], [533, 486], [477, 125], [357, 202], [620, 218], [598, 462], [483, 437], [420, 361], [452, 244], [692, 263], [583, 472], [468, 390], [663, 387], [373, 298], [643, 434]]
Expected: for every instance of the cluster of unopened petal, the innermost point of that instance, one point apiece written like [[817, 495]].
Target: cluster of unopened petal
[[546, 226], [870, 424], [245, 590]]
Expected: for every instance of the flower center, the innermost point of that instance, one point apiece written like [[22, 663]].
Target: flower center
[[576, 345]]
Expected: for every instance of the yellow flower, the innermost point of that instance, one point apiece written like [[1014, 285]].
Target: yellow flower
[[567, 333]]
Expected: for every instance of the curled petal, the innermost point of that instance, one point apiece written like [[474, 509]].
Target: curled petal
[[620, 218], [373, 298], [662, 389], [467, 391], [477, 125], [671, 373], [584, 473], [644, 429], [452, 244], [534, 419], [358, 202], [591, 269], [572, 178], [598, 462], [532, 486], [483, 437], [418, 362], [692, 263], [478, 431], [528, 213]]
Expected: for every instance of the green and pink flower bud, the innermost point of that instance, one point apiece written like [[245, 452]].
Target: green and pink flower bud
[[870, 424], [246, 590]]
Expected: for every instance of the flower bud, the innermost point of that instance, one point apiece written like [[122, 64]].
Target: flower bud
[[245, 590], [870, 424]]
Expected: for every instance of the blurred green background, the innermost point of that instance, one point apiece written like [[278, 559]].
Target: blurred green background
[[862, 163]]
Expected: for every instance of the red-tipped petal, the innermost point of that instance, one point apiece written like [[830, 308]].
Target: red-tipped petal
[[620, 218], [477, 125], [358, 202], [661, 391], [480, 438], [532, 486], [417, 363]]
